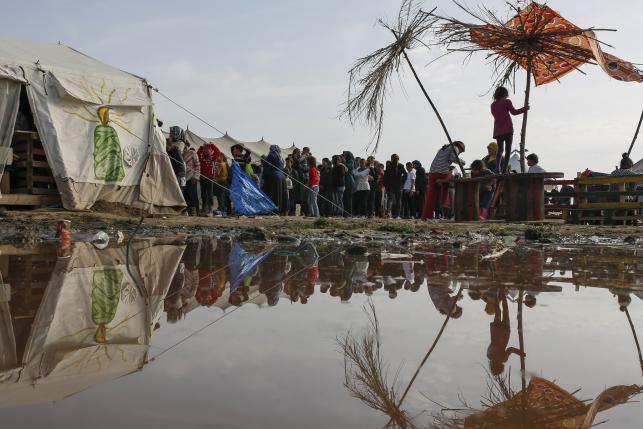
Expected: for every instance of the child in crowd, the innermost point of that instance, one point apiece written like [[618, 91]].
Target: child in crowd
[[478, 169], [503, 130]]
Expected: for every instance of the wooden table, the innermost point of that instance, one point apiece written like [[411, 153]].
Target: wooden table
[[523, 196]]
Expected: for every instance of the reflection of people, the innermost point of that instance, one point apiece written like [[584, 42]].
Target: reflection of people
[[500, 330]]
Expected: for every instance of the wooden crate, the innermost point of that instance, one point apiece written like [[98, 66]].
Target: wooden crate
[[618, 203], [31, 172]]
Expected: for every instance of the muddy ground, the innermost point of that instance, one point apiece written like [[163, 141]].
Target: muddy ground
[[36, 226]]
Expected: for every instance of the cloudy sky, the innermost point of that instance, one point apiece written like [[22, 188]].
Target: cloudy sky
[[278, 69]]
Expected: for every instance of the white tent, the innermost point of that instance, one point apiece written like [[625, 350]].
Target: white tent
[[92, 325], [114, 157], [224, 143], [638, 167]]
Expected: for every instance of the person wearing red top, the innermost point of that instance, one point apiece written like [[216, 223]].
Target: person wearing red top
[[208, 155], [313, 187], [503, 129]]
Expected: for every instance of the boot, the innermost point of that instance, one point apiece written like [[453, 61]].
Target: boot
[[483, 213]]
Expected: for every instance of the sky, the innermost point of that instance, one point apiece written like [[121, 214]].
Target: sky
[[278, 70]]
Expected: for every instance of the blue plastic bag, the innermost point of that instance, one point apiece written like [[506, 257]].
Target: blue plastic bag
[[247, 198]]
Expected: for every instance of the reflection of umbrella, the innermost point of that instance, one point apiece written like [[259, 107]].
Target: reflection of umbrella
[[544, 404], [537, 39]]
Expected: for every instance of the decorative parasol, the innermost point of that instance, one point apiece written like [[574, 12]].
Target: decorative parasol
[[537, 39]]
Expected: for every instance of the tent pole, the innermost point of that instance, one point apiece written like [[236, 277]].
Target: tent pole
[[435, 109], [523, 132], [636, 134]]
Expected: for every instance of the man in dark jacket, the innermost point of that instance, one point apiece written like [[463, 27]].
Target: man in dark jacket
[[420, 188], [394, 177]]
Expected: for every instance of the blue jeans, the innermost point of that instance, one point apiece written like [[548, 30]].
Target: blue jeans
[[338, 200], [313, 209]]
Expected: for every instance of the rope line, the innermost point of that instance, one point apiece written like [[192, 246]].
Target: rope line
[[185, 109]]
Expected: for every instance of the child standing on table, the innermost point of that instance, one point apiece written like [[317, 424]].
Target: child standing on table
[[503, 130]]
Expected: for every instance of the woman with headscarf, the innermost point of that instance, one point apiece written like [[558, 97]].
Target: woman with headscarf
[[349, 182], [274, 179], [490, 159]]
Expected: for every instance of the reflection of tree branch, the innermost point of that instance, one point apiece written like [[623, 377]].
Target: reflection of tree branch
[[636, 340], [366, 374], [521, 342]]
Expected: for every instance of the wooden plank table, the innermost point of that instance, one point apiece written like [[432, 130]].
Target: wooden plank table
[[523, 196]]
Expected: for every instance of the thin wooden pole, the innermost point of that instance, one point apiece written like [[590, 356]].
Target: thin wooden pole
[[636, 134], [636, 340], [435, 109], [456, 298], [523, 132], [521, 342]]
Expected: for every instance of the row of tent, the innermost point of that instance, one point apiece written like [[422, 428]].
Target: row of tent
[[97, 127]]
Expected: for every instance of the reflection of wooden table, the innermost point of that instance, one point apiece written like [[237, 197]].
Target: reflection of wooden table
[[523, 196]]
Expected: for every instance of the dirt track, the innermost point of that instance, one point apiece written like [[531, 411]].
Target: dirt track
[[35, 226]]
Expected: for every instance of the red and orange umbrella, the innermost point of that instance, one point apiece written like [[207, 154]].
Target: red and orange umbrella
[[537, 39]]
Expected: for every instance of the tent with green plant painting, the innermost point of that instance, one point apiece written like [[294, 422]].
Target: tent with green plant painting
[[96, 124]]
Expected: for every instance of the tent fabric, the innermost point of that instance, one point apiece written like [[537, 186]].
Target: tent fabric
[[638, 167], [87, 150], [9, 103], [247, 198], [91, 288], [224, 143]]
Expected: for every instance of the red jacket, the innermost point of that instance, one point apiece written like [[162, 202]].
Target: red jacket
[[208, 154]]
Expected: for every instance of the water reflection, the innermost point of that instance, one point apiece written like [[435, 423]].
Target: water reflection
[[67, 324]]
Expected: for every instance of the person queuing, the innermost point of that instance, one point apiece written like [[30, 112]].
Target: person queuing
[[420, 188], [313, 187], [274, 179], [408, 193], [208, 155], [192, 176], [362, 175], [437, 196], [394, 177]]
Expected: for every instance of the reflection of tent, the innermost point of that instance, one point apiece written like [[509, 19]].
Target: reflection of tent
[[93, 157], [92, 325], [224, 143]]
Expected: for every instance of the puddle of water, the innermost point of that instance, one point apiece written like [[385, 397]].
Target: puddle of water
[[216, 334]]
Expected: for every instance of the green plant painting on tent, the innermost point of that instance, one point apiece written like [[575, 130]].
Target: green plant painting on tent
[[106, 290], [108, 155], [107, 151]]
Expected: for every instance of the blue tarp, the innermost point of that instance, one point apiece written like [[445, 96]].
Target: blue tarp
[[247, 198], [242, 264]]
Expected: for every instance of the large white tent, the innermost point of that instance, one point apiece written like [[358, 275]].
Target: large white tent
[[257, 149], [94, 156]]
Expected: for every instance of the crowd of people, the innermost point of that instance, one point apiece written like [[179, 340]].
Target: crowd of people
[[344, 185]]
